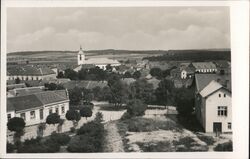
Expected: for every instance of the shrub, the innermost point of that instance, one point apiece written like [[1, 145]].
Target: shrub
[[83, 144], [162, 146], [125, 116], [73, 115], [10, 147], [32, 141], [207, 139], [61, 139], [186, 141], [227, 146], [91, 128]]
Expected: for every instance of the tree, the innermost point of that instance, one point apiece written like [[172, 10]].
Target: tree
[[119, 93], [108, 67], [17, 80], [71, 74], [82, 74], [142, 90], [87, 95], [75, 95], [163, 92], [98, 117], [60, 75], [136, 107], [53, 118], [97, 93], [86, 112], [16, 124], [74, 116], [156, 72], [127, 75], [136, 74]]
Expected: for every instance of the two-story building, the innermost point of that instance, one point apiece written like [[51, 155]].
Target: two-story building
[[204, 67], [213, 103]]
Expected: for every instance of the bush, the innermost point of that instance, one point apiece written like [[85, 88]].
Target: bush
[[227, 146], [91, 128], [32, 141], [162, 146], [84, 144], [125, 116], [61, 139], [136, 107], [209, 140], [10, 147]]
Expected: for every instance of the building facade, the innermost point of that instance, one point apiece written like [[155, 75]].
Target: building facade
[[34, 108], [213, 103]]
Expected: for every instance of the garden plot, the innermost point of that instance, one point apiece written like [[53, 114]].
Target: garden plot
[[158, 135]]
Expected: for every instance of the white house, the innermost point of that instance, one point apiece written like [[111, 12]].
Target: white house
[[34, 108], [100, 62], [213, 103]]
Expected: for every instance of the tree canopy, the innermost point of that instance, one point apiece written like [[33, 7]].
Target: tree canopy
[[53, 118], [86, 112], [16, 124], [136, 107]]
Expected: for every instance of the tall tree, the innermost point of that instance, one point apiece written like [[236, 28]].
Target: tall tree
[[163, 92], [142, 90], [74, 116], [75, 95], [71, 74]]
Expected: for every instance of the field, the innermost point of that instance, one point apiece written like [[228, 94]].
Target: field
[[154, 55]]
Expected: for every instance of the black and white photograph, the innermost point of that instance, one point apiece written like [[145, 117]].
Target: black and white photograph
[[119, 79]]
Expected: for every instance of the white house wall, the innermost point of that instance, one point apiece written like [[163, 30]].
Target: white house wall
[[212, 102]]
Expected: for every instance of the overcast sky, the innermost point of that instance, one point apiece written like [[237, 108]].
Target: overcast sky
[[154, 28]]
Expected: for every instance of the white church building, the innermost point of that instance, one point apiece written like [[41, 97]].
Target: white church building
[[100, 62]]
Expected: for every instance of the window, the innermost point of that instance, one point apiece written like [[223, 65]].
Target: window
[[37, 78], [23, 116], [80, 57], [9, 116], [63, 110], [219, 95], [50, 111], [225, 95], [57, 111], [32, 115], [41, 113], [229, 126], [222, 110]]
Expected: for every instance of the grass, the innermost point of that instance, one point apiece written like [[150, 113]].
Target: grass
[[139, 124]]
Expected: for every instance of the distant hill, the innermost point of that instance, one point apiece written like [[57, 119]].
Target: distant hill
[[192, 55]]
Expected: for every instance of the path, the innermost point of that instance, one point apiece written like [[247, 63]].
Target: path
[[113, 140]]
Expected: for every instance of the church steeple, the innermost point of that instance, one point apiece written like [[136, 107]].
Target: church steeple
[[80, 56]]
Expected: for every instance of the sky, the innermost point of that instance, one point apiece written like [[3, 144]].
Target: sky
[[131, 28]]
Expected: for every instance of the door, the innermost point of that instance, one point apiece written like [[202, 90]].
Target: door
[[217, 127]]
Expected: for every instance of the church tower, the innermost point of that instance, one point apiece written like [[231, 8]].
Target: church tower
[[80, 57]]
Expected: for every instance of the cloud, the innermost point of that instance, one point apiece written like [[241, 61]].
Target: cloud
[[118, 28]]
